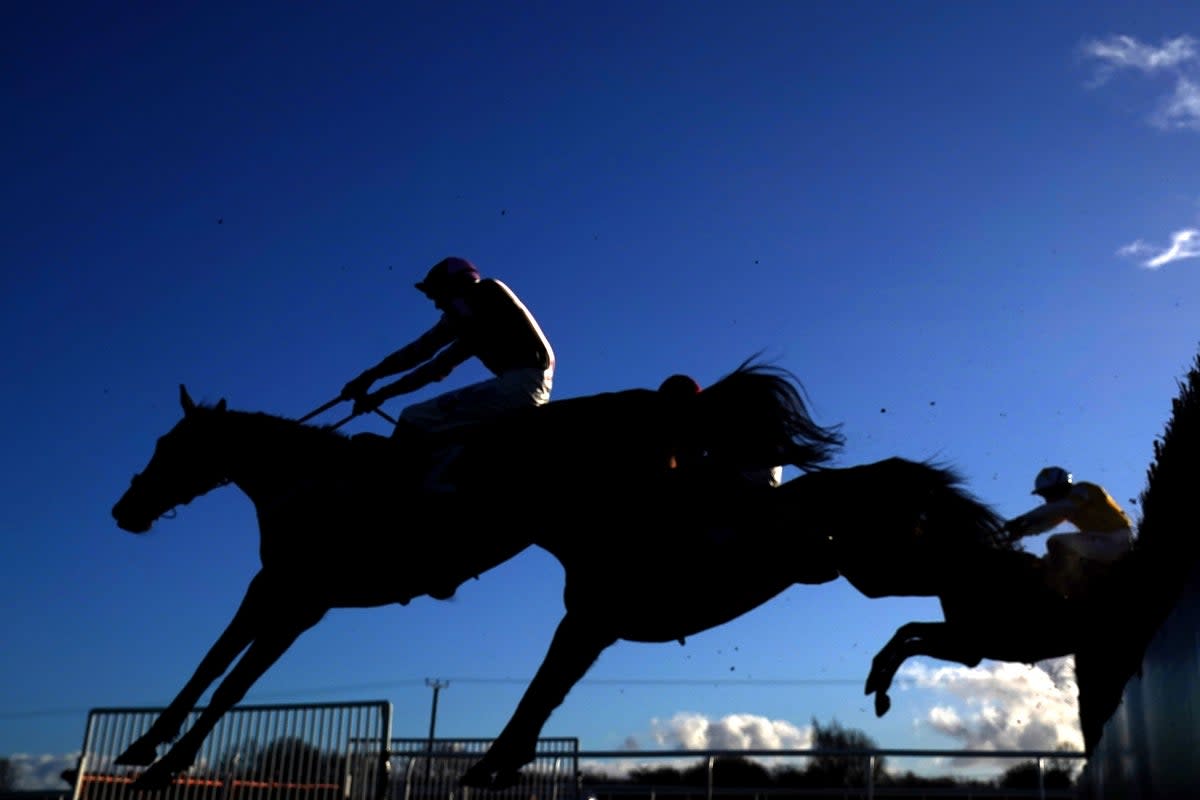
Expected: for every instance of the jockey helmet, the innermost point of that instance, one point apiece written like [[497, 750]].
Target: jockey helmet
[[680, 386], [1050, 479], [448, 275]]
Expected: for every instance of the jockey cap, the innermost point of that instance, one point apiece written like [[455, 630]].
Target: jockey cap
[[1051, 478], [447, 275]]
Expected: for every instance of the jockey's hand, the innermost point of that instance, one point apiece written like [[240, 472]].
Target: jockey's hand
[[357, 388], [366, 403], [1014, 529]]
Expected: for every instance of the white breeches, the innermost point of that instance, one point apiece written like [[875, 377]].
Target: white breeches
[[518, 388]]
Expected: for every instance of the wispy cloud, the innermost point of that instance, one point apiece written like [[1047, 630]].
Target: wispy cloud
[[1003, 706], [1181, 109], [1126, 52], [1184, 244], [1178, 58]]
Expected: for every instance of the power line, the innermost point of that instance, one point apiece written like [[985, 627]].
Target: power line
[[353, 687]]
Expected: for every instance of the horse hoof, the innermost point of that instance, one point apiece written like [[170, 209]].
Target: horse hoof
[[138, 754], [883, 704]]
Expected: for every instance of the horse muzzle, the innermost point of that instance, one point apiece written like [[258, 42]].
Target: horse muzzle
[[126, 522], [130, 517]]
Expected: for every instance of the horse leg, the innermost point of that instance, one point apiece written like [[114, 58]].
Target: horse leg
[[264, 651], [576, 645], [233, 640], [933, 639]]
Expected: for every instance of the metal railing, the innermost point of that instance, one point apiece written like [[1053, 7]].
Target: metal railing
[[317, 751], [420, 772], [870, 788]]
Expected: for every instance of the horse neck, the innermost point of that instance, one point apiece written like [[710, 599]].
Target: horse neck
[[266, 454]]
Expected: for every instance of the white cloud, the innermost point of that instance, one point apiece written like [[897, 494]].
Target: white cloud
[[1182, 109], [37, 772], [692, 731], [1178, 58], [1184, 244], [689, 730], [1126, 52], [1002, 706]]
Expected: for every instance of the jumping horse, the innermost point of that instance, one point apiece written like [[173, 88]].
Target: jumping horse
[[892, 528], [329, 507]]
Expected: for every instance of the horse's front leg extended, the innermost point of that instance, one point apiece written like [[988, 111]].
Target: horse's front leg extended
[[576, 645], [236, 636], [264, 651], [941, 640]]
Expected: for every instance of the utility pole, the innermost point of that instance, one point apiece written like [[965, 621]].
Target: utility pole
[[437, 686]]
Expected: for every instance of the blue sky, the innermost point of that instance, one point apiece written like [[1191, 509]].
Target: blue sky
[[968, 228]]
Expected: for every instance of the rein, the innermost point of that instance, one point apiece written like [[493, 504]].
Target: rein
[[322, 409]]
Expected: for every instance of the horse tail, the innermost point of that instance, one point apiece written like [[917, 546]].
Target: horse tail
[[760, 411]]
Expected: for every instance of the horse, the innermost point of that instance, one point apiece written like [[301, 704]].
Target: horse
[[327, 506], [996, 605], [893, 528], [756, 542], [995, 600]]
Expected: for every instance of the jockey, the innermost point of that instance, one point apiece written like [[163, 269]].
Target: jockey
[[1105, 531], [678, 388], [481, 318]]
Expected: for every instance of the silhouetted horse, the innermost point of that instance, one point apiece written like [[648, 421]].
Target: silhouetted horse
[[993, 596], [328, 507], [996, 605], [894, 528], [754, 542]]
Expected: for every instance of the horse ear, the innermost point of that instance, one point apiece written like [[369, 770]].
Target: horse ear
[[220, 406], [185, 400]]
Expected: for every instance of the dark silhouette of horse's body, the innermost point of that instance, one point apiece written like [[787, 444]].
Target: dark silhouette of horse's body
[[755, 542], [328, 506], [996, 604], [892, 528], [994, 597]]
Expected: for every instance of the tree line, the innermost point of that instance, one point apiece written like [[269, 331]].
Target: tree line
[[827, 771]]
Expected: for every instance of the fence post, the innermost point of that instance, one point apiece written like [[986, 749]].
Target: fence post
[[1041, 779], [710, 778], [871, 777]]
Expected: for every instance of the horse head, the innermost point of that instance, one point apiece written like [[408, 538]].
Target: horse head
[[183, 467]]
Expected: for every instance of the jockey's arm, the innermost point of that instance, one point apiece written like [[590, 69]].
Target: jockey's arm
[[433, 370], [421, 349], [1041, 519]]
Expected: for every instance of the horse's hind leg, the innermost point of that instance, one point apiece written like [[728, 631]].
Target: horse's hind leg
[[236, 636], [264, 651], [575, 647]]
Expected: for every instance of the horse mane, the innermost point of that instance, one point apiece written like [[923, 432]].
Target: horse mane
[[956, 516], [289, 432], [767, 404]]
